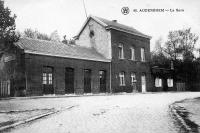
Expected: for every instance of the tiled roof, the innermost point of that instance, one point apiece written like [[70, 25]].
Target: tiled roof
[[118, 26], [108, 24], [58, 49]]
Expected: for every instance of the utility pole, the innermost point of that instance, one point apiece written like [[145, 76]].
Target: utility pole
[[85, 8]]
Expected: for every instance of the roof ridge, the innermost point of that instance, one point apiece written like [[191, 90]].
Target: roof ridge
[[40, 40], [128, 28]]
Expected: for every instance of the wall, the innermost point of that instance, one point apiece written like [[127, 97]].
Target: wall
[[101, 41], [35, 63], [12, 70], [128, 65]]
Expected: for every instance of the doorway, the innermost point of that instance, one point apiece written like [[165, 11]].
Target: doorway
[[69, 80], [87, 81], [102, 78], [47, 80], [143, 83]]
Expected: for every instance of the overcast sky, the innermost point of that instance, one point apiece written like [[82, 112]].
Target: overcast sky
[[68, 16]]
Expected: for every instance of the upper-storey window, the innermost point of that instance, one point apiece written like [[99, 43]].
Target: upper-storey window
[[142, 54], [132, 53], [121, 51]]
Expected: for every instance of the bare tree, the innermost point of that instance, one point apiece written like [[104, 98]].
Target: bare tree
[[180, 43]]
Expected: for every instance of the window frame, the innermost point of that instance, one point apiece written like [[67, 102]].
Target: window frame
[[44, 78], [170, 82], [47, 75], [120, 51], [50, 78], [132, 53], [122, 79], [158, 82], [143, 58], [133, 78]]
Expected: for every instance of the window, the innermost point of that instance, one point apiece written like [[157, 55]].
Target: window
[[121, 52], [133, 78], [47, 76], [91, 33], [158, 82], [170, 82], [44, 78], [132, 53], [122, 79], [142, 54], [50, 78]]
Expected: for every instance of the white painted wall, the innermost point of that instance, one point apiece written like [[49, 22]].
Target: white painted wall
[[101, 41]]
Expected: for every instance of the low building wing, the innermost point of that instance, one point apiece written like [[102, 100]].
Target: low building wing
[[58, 49]]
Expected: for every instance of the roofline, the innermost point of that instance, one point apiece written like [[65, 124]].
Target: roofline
[[85, 23], [106, 27], [64, 56], [119, 29]]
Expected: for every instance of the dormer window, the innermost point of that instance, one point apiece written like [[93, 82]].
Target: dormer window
[[120, 51]]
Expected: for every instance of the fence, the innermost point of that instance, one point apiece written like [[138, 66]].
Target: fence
[[4, 88], [180, 86]]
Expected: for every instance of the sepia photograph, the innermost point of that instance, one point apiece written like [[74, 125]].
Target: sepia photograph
[[91, 66]]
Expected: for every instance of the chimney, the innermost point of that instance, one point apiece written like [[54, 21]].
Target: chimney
[[114, 21]]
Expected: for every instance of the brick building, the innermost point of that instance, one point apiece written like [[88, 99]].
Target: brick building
[[107, 57]]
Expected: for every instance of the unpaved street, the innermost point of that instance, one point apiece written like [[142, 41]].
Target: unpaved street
[[131, 113]]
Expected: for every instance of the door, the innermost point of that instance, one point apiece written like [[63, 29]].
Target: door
[[69, 80], [47, 78], [143, 83], [87, 81], [102, 78]]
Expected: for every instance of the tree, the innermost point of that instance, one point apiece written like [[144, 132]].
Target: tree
[[181, 43], [158, 46], [158, 57], [7, 28], [54, 36], [35, 34]]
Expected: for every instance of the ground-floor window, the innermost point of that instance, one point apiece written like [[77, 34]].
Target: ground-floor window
[[133, 78], [158, 82], [122, 78], [170, 82], [47, 80], [44, 78], [47, 76]]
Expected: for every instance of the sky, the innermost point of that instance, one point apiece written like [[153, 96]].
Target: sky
[[68, 16]]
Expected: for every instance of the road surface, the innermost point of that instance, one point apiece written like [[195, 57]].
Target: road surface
[[131, 113]]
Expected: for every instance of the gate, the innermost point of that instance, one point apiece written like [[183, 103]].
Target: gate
[[5, 88], [180, 86]]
